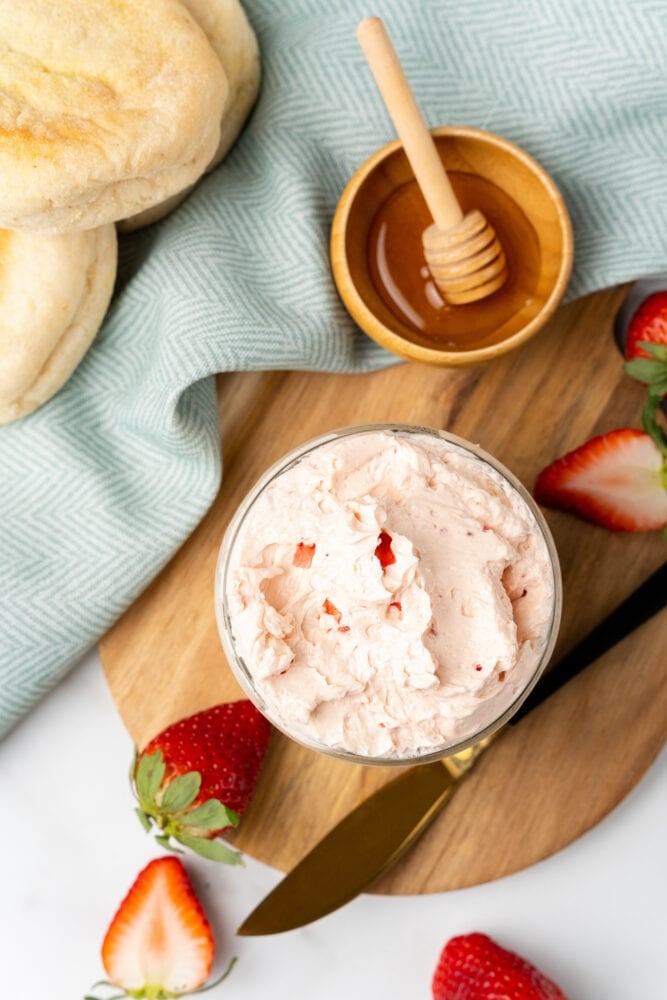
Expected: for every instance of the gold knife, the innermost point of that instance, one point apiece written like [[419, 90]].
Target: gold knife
[[370, 839]]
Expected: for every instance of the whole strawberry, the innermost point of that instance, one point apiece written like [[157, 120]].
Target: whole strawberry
[[473, 967], [196, 778], [647, 326]]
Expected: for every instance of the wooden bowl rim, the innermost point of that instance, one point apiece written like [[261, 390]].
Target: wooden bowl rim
[[394, 342]]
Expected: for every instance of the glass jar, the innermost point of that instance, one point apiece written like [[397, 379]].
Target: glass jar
[[243, 671]]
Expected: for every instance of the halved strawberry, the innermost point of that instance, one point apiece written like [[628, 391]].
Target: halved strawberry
[[159, 944], [649, 324], [618, 480], [474, 967], [197, 777]]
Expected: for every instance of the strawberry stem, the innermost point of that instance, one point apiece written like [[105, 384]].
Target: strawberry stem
[[116, 996], [164, 841], [158, 992], [216, 982], [112, 986]]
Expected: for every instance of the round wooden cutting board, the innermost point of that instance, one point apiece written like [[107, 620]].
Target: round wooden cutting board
[[543, 783]]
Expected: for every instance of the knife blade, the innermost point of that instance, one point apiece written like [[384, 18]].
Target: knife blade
[[371, 838]]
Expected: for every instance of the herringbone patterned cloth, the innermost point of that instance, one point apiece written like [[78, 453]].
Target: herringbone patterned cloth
[[100, 486]]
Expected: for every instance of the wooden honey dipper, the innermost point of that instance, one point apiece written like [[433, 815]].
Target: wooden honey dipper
[[463, 252]]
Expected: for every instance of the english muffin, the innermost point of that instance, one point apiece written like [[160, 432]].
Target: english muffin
[[54, 292], [227, 28], [106, 108], [234, 42]]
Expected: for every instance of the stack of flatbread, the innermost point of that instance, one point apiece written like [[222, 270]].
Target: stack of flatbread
[[110, 110]]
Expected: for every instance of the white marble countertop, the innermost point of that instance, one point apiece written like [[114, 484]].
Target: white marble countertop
[[592, 916]]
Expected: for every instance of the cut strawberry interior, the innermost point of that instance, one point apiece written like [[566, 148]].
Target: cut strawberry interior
[[384, 551], [160, 936], [615, 480], [331, 609], [303, 555]]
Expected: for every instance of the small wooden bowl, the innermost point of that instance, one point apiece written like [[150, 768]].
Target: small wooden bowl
[[520, 201]]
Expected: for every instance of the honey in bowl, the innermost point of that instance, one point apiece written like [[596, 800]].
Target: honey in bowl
[[402, 280], [520, 201]]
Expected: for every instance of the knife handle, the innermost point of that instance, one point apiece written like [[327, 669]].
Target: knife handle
[[644, 602]]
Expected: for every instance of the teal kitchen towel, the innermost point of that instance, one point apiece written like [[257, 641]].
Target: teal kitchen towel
[[100, 486]]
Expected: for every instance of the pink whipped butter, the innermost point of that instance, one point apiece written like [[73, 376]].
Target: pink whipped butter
[[390, 594]]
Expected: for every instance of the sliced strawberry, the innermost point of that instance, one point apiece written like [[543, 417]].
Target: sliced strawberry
[[159, 943], [649, 324], [473, 967], [331, 609], [303, 556], [384, 551], [617, 480], [196, 778]]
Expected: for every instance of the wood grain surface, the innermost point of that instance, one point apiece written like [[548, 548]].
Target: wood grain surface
[[543, 783]]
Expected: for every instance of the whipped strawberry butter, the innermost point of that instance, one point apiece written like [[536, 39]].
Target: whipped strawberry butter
[[389, 593]]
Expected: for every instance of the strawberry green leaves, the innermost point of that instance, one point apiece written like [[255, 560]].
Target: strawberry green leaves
[[149, 775], [651, 369], [196, 778], [214, 850], [653, 428], [172, 807], [212, 815], [144, 820], [653, 372], [181, 792]]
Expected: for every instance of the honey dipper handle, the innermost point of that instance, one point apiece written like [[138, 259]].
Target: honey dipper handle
[[411, 127]]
